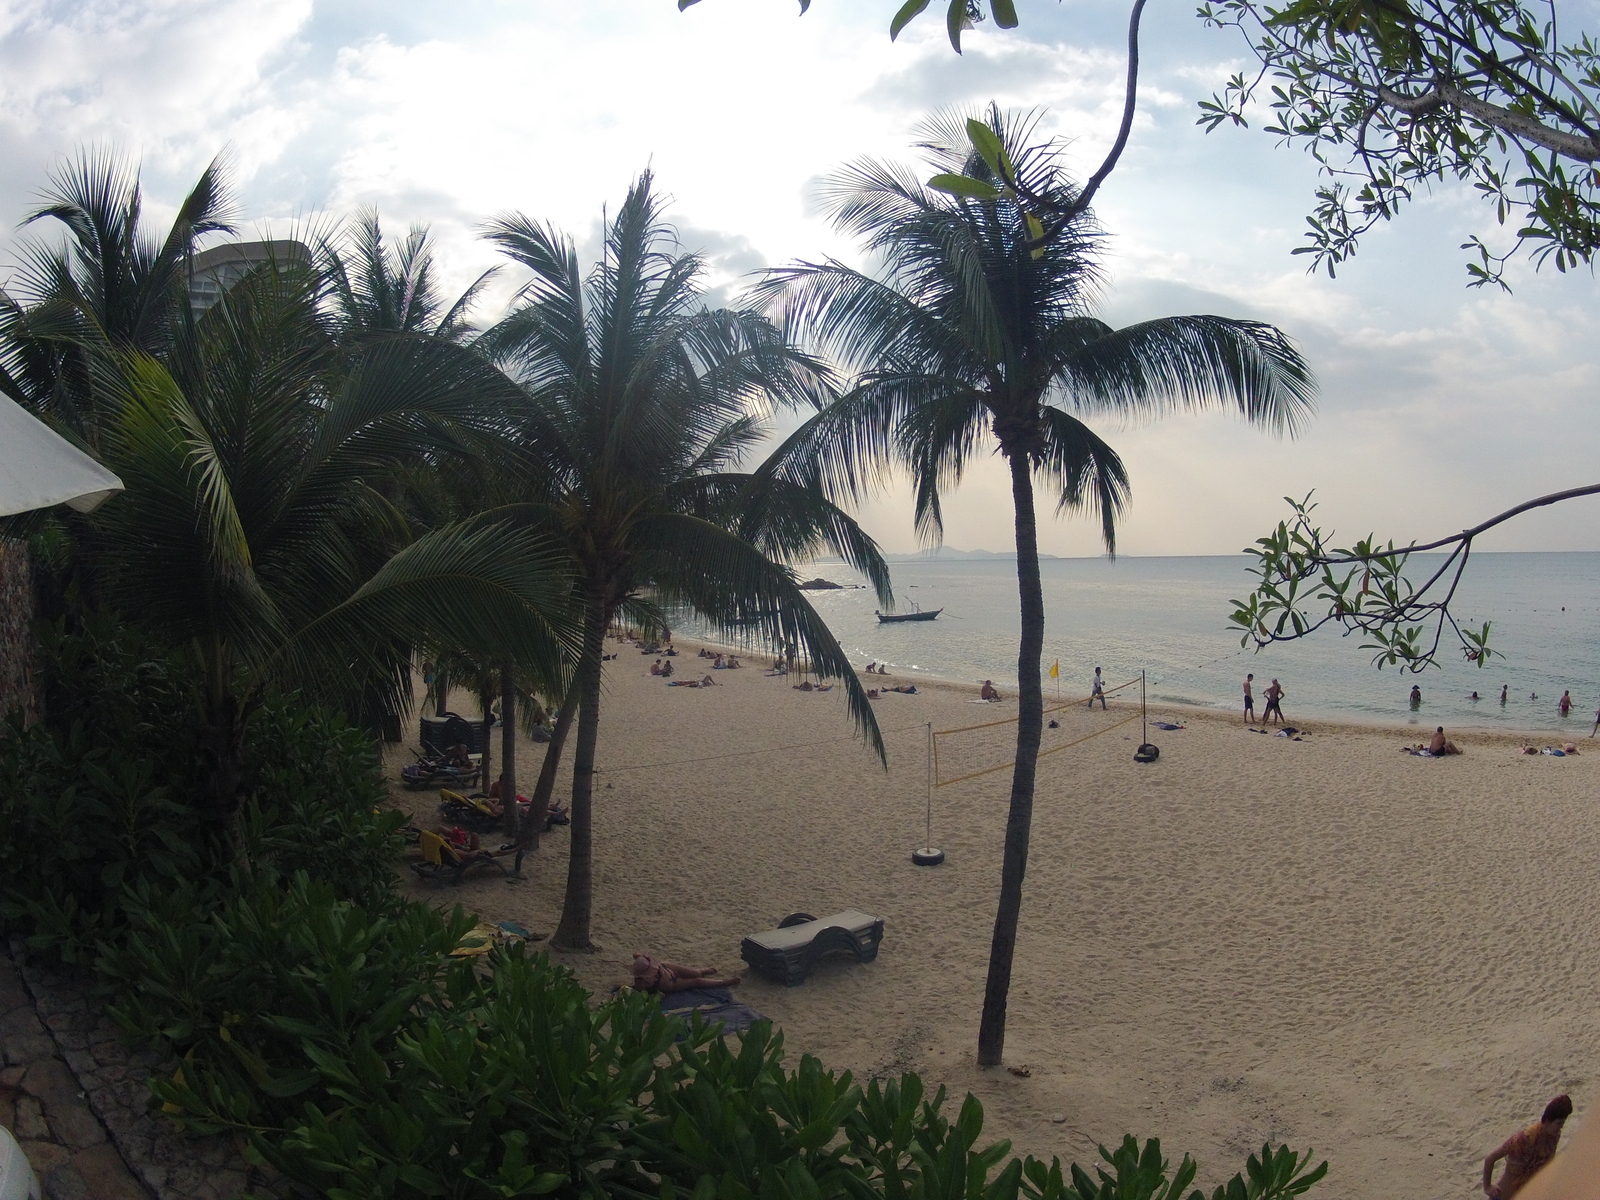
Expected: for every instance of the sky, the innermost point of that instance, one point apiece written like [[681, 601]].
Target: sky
[[1439, 407]]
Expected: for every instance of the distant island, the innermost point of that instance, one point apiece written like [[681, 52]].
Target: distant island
[[820, 585]]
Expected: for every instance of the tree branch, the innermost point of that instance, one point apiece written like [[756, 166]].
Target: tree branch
[[1569, 145]]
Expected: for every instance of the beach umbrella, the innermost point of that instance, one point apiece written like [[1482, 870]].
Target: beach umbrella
[[40, 468]]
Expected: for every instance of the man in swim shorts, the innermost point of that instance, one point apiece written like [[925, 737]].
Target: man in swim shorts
[[1249, 699], [1526, 1152], [1274, 695]]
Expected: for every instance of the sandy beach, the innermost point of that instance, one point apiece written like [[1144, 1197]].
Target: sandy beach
[[1323, 942]]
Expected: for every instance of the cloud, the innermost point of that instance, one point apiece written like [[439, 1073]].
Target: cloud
[[1438, 404]]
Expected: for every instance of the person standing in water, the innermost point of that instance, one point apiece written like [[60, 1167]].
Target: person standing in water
[[1566, 703], [1504, 688], [1416, 696], [1249, 700], [1274, 695], [1526, 1152]]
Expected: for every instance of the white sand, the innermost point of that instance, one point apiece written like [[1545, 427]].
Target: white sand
[[1322, 942]]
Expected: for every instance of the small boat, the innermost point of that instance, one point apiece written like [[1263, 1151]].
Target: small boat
[[891, 618]]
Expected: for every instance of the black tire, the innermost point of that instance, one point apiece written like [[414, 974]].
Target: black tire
[[795, 918], [927, 856], [1146, 753]]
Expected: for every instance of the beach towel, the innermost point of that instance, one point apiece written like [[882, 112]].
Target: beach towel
[[1418, 752], [712, 1005], [1168, 725]]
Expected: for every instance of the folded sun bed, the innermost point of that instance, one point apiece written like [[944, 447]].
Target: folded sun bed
[[789, 952]]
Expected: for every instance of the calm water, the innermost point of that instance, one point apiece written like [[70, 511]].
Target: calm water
[[1168, 617]]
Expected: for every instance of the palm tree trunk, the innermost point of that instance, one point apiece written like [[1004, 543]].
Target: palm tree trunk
[[486, 745], [508, 749], [1030, 721], [539, 802], [573, 932]]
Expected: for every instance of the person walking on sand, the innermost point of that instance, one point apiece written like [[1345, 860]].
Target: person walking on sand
[[1274, 695], [1249, 699], [1527, 1151], [1099, 692]]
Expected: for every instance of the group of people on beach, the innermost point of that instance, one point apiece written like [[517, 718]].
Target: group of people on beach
[[1274, 694]]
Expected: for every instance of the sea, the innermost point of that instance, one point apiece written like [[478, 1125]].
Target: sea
[[1167, 618]]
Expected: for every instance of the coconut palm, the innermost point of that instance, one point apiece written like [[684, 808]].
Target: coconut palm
[[640, 404], [110, 283], [251, 534], [379, 289], [977, 328]]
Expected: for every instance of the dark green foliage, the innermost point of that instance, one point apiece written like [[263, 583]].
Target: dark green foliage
[[507, 1082], [100, 795]]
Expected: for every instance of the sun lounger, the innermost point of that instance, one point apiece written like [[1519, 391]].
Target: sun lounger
[[789, 952], [440, 858]]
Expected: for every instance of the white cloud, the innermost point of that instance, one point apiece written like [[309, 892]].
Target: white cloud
[[1439, 405]]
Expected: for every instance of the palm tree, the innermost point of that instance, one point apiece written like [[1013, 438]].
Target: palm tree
[[252, 536], [110, 284], [977, 328], [378, 289], [640, 403]]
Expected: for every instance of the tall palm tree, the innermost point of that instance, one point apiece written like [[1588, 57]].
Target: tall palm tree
[[380, 289], [111, 283], [251, 534], [640, 404], [976, 328]]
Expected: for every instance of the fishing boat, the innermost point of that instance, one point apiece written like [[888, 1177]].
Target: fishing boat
[[893, 618]]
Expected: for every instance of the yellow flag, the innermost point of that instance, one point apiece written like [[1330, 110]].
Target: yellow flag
[[1055, 669]]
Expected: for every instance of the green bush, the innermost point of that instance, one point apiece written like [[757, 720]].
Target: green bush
[[508, 1081], [96, 797]]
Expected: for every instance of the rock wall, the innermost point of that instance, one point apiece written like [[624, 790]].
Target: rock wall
[[16, 630]]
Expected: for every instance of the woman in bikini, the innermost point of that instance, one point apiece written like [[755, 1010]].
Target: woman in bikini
[[653, 975]]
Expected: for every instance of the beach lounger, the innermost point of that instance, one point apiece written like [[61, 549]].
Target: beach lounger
[[789, 952], [441, 859]]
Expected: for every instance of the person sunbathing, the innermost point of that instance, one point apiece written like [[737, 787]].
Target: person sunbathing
[[457, 756], [653, 975], [1440, 745], [708, 682], [872, 668], [804, 686], [989, 692]]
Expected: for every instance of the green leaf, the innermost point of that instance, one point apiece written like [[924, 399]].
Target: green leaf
[[988, 144], [955, 21], [964, 186], [909, 11], [1005, 13]]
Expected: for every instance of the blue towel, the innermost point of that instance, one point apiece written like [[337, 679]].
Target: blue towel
[[713, 1005]]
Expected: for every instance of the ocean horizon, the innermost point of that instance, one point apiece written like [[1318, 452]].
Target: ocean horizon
[[1167, 616]]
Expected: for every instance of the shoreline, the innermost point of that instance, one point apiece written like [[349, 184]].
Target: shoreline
[[1343, 723]]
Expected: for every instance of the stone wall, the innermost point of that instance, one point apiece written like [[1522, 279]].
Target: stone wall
[[16, 629]]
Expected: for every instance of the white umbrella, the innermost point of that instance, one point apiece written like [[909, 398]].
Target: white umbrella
[[40, 468]]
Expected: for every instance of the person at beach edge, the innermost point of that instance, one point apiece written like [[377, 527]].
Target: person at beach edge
[[1274, 695], [1249, 699], [1099, 692], [1526, 1152]]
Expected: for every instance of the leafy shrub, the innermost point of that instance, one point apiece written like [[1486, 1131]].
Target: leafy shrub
[[509, 1082], [318, 802], [96, 797]]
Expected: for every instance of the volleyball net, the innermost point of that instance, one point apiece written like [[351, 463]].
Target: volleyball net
[[971, 751]]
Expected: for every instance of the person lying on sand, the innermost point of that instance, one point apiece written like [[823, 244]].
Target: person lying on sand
[[1439, 745], [653, 975], [804, 686], [1527, 1151], [906, 689]]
